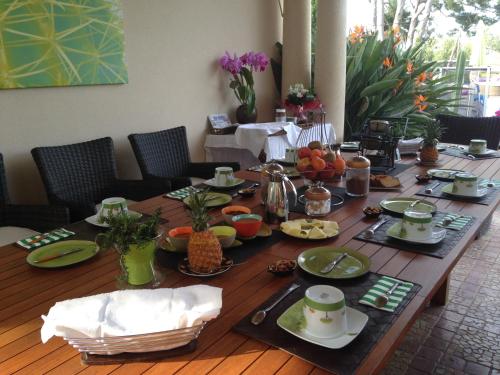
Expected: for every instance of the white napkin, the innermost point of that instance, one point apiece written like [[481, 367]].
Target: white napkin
[[131, 312]]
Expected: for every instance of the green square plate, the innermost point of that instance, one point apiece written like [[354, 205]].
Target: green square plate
[[89, 249], [353, 265], [214, 199], [399, 205]]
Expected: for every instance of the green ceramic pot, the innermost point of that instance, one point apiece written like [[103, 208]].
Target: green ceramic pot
[[137, 263]]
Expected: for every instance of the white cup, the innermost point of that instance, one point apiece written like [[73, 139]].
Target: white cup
[[477, 146], [325, 311], [416, 225], [224, 176], [291, 155], [465, 184], [112, 206]]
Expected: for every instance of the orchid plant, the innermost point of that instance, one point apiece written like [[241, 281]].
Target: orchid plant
[[242, 68]]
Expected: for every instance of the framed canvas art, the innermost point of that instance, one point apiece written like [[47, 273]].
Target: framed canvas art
[[61, 43]]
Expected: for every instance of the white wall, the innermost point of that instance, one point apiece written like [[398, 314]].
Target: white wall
[[172, 47]]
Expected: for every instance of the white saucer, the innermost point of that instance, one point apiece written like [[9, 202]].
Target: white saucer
[[487, 152], [293, 318], [94, 219], [448, 189], [236, 182], [437, 235]]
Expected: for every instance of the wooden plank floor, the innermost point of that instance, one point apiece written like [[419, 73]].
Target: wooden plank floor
[[26, 292]]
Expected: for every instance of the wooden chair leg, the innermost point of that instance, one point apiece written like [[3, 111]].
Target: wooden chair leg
[[441, 296]]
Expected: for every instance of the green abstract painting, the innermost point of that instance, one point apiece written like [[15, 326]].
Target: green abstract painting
[[61, 43]]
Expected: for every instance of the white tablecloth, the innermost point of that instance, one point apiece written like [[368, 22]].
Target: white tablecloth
[[246, 144]]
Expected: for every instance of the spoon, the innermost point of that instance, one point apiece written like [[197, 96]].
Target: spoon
[[430, 189], [260, 315], [382, 300], [330, 266], [370, 232]]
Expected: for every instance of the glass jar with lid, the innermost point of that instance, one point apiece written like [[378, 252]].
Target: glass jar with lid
[[358, 176], [317, 201]]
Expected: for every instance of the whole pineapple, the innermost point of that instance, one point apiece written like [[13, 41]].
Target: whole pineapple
[[204, 249], [432, 133]]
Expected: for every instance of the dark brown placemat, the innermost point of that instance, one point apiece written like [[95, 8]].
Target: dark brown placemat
[[436, 193], [97, 359], [238, 255], [452, 151], [340, 361], [398, 168], [439, 250]]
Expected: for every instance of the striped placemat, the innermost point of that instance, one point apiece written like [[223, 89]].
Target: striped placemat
[[182, 193], [42, 239], [381, 287]]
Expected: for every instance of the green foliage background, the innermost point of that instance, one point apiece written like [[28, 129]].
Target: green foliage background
[[61, 43]]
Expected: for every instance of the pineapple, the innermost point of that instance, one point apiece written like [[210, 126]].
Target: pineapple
[[204, 249], [431, 135]]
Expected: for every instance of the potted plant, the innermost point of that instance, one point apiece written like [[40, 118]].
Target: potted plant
[[431, 133], [135, 242], [300, 100], [242, 82]]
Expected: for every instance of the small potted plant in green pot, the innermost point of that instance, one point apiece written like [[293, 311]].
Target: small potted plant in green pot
[[135, 242]]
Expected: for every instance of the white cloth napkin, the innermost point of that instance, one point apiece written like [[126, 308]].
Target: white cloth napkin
[[132, 312]]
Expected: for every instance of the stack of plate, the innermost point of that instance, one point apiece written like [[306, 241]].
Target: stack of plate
[[148, 342]]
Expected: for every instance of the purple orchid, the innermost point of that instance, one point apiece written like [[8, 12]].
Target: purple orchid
[[232, 65]]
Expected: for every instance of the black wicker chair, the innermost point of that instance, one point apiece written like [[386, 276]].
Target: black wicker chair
[[37, 217], [165, 154], [81, 175], [461, 130]]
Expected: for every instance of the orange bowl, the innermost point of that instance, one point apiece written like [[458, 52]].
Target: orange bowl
[[179, 237], [230, 211], [247, 225]]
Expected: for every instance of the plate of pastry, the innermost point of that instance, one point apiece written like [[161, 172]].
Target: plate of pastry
[[384, 182]]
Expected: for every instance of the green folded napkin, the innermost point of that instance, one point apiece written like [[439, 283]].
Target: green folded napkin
[[457, 221], [182, 193], [383, 285], [42, 239]]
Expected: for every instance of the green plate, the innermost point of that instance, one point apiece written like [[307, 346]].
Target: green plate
[[215, 199], [399, 205], [354, 265], [444, 174], [89, 250]]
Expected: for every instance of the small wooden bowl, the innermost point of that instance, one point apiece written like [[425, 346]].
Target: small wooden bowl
[[423, 178], [287, 265], [372, 212]]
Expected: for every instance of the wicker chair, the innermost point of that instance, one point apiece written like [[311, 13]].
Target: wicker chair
[[81, 175], [461, 130], [35, 217], [166, 154]]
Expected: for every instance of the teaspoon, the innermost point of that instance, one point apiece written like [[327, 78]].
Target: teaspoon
[[382, 300], [260, 315]]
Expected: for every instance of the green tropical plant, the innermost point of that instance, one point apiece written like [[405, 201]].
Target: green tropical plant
[[126, 230], [383, 79]]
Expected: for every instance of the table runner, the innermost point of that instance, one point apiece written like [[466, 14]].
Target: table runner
[[436, 193], [239, 254], [459, 153], [340, 361], [439, 250]]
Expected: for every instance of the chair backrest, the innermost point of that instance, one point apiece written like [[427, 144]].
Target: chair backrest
[[162, 154], [4, 193], [81, 172], [461, 130]]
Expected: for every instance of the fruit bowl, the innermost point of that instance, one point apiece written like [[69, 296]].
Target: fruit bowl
[[319, 163]]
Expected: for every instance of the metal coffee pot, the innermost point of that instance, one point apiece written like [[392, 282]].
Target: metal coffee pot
[[276, 203]]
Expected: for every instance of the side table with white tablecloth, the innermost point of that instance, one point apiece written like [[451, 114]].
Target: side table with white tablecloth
[[250, 139]]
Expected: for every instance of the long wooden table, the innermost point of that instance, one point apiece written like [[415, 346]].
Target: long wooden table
[[26, 292]]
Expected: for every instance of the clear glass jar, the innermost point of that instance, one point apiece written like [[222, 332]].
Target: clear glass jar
[[357, 177], [317, 201], [280, 115]]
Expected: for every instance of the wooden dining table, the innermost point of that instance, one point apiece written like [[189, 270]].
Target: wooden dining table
[[27, 292]]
